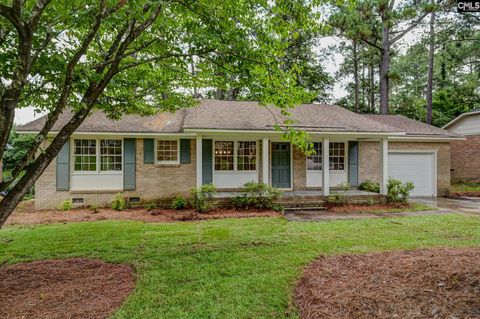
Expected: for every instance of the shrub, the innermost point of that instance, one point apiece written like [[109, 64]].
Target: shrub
[[150, 205], [278, 208], [179, 202], [369, 186], [119, 203], [337, 199], [398, 192], [66, 205], [201, 198], [257, 195], [93, 208]]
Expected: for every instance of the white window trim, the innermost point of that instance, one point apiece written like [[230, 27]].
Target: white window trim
[[167, 162], [97, 156], [345, 158], [235, 156]]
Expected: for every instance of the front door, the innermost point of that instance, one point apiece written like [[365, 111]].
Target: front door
[[281, 165]]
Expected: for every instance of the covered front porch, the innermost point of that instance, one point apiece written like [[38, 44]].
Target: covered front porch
[[230, 160]]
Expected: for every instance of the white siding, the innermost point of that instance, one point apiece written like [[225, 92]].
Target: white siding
[[314, 178], [96, 182], [233, 179]]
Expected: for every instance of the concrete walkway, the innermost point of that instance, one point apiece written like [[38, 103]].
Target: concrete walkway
[[444, 206], [305, 216]]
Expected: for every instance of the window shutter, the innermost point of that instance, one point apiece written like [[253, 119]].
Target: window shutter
[[129, 155], [148, 151], [353, 163], [63, 168], [184, 151], [207, 163]]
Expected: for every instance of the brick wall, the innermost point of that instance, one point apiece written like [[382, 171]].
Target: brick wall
[[299, 169], [465, 158], [153, 182], [369, 160]]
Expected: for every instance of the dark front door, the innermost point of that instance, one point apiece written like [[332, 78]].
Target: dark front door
[[281, 165]]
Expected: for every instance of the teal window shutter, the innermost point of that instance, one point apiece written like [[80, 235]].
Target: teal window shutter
[[129, 155], [184, 151], [63, 168], [207, 162], [148, 151], [353, 163]]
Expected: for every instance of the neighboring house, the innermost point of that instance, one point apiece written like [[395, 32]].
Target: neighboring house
[[229, 143], [466, 154]]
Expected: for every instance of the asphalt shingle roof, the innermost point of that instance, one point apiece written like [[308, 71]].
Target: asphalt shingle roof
[[411, 127], [240, 115]]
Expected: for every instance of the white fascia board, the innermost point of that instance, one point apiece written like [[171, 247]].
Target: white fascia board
[[458, 118], [125, 134]]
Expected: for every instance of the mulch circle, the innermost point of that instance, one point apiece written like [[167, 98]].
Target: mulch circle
[[430, 283], [73, 288]]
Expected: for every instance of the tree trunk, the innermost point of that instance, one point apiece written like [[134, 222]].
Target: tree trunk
[[431, 57], [371, 73], [35, 169], [355, 77], [384, 68]]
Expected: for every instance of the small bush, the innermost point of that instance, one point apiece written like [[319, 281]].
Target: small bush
[[201, 198], [398, 192], [257, 195], [66, 205], [150, 205], [179, 202], [337, 199], [369, 186], [93, 208], [119, 203], [278, 208]]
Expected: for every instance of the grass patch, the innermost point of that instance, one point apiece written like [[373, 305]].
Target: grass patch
[[231, 268], [465, 187]]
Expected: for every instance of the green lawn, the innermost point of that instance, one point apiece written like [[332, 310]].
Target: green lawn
[[465, 187], [233, 268]]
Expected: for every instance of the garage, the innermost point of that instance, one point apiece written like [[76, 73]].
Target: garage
[[416, 167]]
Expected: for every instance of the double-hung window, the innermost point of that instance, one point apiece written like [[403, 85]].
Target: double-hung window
[[167, 152], [85, 155], [235, 155], [336, 157], [314, 161], [97, 155]]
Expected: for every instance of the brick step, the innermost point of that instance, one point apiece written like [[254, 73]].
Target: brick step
[[289, 204], [304, 209]]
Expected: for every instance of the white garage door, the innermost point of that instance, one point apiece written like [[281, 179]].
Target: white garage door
[[418, 168]]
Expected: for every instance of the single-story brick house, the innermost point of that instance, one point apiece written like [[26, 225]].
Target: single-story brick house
[[465, 154], [229, 143]]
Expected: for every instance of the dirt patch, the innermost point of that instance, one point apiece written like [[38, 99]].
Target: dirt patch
[[32, 217], [364, 208], [74, 288], [437, 283], [457, 195]]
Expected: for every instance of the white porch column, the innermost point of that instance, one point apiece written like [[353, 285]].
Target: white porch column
[[199, 160], [326, 166], [265, 161], [383, 166]]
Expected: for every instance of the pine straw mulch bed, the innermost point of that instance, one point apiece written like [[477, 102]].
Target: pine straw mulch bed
[[73, 288], [431, 283], [26, 216]]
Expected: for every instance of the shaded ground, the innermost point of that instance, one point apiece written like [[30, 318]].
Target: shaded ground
[[26, 215], [377, 208], [464, 205], [74, 288], [436, 283]]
